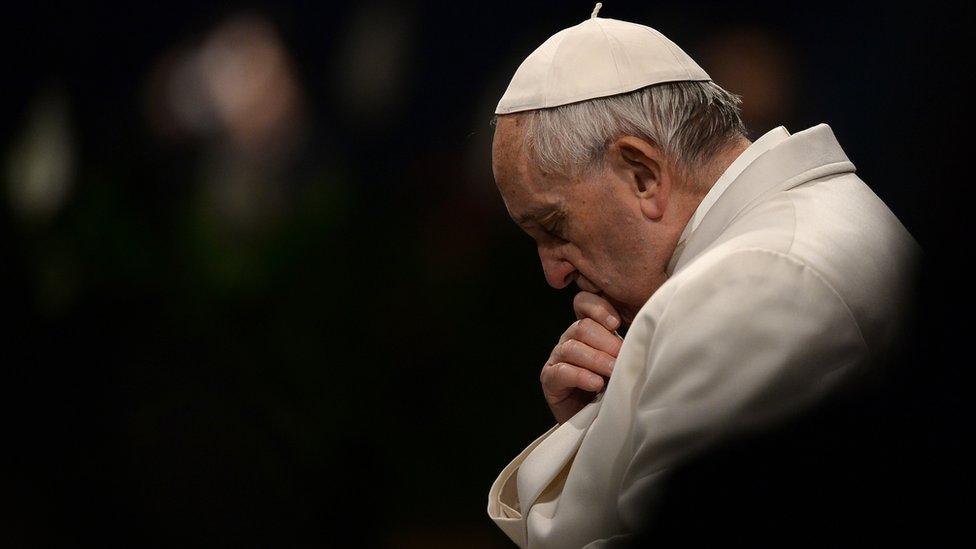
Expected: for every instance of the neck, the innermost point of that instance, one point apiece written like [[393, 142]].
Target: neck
[[717, 166], [699, 185]]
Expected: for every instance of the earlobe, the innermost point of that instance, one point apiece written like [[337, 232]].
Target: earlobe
[[651, 207], [654, 202]]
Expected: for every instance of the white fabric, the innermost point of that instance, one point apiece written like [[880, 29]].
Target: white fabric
[[793, 280], [596, 58], [768, 140]]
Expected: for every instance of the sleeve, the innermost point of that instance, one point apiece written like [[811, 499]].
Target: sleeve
[[750, 339], [503, 500]]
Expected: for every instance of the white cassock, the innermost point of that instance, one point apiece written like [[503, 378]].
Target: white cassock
[[789, 278]]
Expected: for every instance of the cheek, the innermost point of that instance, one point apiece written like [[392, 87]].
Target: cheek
[[627, 265], [611, 246]]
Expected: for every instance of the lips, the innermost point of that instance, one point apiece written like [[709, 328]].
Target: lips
[[587, 286]]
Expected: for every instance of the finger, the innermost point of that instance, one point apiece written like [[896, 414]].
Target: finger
[[590, 305], [580, 354], [559, 379], [593, 334]]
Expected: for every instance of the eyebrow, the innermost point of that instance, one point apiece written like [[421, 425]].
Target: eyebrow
[[538, 213]]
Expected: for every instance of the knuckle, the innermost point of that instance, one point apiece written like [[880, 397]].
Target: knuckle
[[560, 349], [570, 331], [570, 346], [558, 371], [582, 378], [555, 392], [589, 326], [575, 328]]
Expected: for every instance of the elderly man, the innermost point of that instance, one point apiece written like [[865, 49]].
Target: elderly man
[[753, 277]]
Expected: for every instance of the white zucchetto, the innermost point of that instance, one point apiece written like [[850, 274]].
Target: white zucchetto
[[596, 58]]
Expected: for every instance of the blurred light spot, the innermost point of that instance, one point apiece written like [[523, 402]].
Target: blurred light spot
[[237, 86], [249, 78], [236, 91], [40, 166], [375, 60], [189, 97], [756, 65]]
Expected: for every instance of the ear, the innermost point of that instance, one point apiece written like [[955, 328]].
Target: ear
[[643, 167]]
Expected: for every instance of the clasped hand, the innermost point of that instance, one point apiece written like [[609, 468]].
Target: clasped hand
[[582, 361]]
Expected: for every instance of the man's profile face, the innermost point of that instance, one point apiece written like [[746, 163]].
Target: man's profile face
[[589, 231]]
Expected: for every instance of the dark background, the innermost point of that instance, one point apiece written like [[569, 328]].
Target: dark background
[[260, 289]]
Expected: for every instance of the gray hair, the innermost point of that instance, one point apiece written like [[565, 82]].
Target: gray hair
[[688, 121]]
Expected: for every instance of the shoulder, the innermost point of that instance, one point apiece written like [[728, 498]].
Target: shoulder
[[744, 274], [748, 296], [740, 339], [745, 337]]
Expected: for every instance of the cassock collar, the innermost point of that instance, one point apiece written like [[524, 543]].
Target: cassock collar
[[775, 162], [768, 140]]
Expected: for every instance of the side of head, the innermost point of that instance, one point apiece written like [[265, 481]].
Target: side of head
[[605, 186]]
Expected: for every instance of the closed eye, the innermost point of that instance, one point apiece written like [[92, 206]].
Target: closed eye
[[549, 224], [554, 229]]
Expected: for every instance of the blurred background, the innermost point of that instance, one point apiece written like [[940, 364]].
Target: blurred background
[[260, 288]]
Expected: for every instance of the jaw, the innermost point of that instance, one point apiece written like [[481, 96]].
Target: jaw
[[630, 306]]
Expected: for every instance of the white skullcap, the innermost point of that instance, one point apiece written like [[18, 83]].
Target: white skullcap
[[596, 58]]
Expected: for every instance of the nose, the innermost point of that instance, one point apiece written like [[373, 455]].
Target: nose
[[559, 272]]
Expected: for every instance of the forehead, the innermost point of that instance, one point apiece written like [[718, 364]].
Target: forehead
[[522, 185], [508, 147]]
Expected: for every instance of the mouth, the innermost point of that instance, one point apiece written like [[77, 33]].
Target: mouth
[[622, 309], [587, 286]]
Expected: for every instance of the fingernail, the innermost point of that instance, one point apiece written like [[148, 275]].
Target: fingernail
[[612, 364], [595, 382], [612, 321]]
